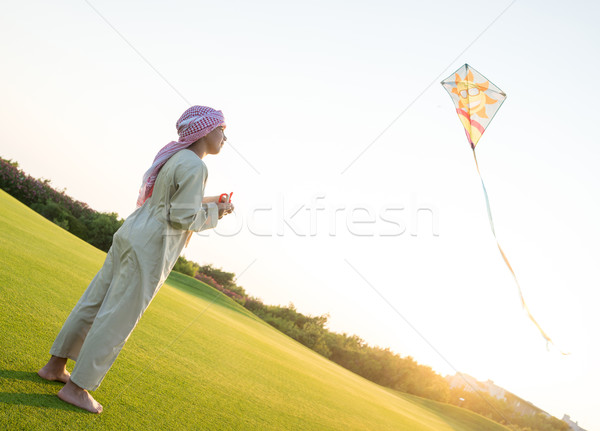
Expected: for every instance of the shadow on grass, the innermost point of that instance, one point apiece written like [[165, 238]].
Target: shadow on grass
[[34, 400], [27, 376], [48, 401], [197, 288]]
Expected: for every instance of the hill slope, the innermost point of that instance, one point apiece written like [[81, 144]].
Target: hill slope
[[197, 360]]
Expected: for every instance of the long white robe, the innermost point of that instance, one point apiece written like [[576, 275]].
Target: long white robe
[[143, 252]]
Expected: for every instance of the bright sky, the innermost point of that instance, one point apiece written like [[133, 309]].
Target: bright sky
[[305, 89]]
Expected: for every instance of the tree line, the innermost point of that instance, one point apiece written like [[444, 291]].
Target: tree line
[[77, 217]]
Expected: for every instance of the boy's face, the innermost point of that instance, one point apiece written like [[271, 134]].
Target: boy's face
[[215, 140]]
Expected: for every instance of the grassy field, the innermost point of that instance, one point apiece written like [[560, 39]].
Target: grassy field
[[197, 360]]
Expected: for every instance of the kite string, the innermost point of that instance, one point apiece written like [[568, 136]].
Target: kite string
[[489, 211]]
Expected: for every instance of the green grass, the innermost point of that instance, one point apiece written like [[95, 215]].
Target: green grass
[[197, 360]]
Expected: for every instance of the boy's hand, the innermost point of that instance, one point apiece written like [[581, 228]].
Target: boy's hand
[[225, 208]]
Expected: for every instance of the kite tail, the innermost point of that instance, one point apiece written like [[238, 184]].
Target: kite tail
[[489, 211]]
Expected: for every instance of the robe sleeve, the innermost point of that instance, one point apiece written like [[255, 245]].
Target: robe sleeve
[[186, 211]]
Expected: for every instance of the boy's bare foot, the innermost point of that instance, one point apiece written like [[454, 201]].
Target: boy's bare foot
[[73, 394], [55, 370]]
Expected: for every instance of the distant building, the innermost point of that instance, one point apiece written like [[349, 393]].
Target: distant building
[[574, 426], [471, 384]]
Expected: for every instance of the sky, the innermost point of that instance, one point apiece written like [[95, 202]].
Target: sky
[[355, 189]]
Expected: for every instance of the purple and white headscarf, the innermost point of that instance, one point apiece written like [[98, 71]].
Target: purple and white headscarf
[[196, 122]]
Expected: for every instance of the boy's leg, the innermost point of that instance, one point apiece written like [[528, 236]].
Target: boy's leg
[[73, 333], [55, 370], [125, 302]]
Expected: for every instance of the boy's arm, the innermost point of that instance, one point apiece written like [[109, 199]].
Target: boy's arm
[[187, 211], [208, 199]]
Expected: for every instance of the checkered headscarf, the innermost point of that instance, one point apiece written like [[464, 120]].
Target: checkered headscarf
[[196, 122]]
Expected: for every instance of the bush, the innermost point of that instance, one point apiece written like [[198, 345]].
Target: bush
[[53, 212], [223, 278], [186, 267], [100, 228]]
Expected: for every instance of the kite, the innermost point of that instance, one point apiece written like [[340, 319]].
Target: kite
[[477, 100]]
